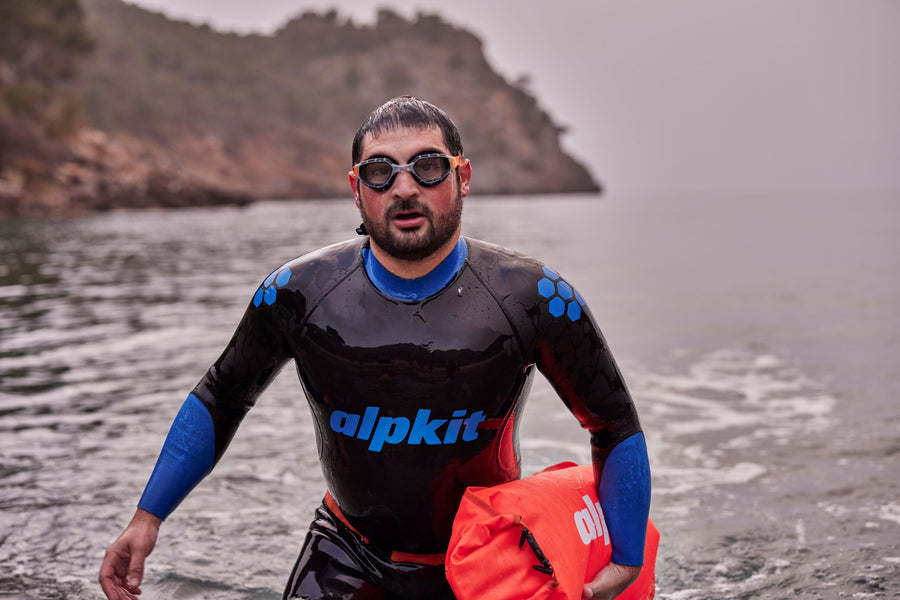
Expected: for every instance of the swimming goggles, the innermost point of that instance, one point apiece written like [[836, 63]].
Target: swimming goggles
[[426, 169]]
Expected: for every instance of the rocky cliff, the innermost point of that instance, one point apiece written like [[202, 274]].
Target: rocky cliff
[[176, 114]]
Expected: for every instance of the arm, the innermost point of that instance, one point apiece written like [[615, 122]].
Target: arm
[[211, 414], [186, 457], [575, 358], [197, 439]]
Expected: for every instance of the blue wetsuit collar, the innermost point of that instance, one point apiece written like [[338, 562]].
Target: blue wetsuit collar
[[411, 290]]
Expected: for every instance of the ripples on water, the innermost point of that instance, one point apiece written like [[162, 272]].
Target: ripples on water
[[763, 487]]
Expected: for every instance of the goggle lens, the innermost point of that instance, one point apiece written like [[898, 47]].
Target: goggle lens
[[426, 169]]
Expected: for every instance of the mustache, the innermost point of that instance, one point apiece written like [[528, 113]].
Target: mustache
[[408, 205]]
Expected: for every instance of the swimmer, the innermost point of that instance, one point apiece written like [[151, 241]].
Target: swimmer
[[416, 348]]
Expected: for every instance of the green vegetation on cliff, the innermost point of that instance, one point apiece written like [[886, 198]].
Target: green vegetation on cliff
[[40, 45]]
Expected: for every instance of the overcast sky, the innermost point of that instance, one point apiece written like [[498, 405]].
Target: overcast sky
[[683, 96]]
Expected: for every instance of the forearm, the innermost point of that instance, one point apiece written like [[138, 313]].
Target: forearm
[[624, 491], [186, 458]]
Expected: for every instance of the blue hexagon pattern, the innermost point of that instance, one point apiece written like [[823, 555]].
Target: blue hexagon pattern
[[268, 291], [564, 299]]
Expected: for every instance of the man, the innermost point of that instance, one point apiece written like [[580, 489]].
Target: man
[[415, 347]]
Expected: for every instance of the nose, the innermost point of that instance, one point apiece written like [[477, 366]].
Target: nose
[[405, 185]]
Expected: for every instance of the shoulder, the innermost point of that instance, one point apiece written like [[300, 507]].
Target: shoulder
[[506, 272], [501, 268], [521, 280], [312, 274]]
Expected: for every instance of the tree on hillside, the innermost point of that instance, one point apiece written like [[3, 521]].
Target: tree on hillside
[[41, 42]]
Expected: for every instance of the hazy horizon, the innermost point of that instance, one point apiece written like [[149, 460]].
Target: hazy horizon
[[729, 97]]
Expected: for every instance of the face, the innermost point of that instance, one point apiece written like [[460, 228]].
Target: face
[[410, 221]]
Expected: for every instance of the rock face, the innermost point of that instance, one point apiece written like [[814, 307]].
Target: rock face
[[176, 114], [93, 172]]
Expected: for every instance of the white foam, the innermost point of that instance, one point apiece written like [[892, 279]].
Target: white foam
[[800, 529], [683, 480], [766, 361], [835, 510], [706, 421], [689, 594], [890, 512]]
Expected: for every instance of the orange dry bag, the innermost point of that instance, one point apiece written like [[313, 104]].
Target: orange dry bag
[[538, 538]]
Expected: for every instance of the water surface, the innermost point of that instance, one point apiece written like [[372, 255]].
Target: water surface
[[759, 337]]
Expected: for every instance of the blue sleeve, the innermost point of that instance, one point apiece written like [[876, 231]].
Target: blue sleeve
[[186, 458], [625, 499]]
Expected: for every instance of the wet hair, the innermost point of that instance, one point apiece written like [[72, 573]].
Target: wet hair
[[403, 112]]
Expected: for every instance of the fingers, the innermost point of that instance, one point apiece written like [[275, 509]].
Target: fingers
[[136, 570], [115, 576], [114, 588], [123, 566], [123, 569], [108, 578], [611, 581]]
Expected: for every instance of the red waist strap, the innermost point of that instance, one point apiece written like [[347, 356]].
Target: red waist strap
[[396, 556]]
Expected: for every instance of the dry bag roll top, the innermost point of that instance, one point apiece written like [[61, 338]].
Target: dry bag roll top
[[542, 537]]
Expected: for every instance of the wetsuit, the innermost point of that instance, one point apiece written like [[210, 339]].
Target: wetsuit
[[415, 387]]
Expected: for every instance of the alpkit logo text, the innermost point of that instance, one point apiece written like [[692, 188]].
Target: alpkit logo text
[[591, 523], [381, 430]]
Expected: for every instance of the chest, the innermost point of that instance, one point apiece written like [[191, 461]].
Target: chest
[[457, 346]]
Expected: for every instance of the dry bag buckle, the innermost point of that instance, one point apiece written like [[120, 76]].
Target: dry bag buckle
[[545, 566]]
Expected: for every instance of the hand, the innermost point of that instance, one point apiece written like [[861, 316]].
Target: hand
[[123, 566], [610, 582]]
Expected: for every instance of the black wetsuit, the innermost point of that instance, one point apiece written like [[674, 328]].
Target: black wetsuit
[[414, 397]]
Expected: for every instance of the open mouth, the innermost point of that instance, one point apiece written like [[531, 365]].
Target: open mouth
[[408, 218]]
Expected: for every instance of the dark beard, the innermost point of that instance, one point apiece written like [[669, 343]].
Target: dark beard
[[416, 245]]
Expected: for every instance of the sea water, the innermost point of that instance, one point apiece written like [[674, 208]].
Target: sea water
[[759, 336]]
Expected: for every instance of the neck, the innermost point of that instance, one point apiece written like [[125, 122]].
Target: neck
[[419, 288], [413, 269]]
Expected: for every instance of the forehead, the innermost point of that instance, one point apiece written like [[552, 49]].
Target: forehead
[[403, 143]]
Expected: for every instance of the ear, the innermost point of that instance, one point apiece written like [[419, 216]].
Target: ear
[[465, 175], [354, 186]]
